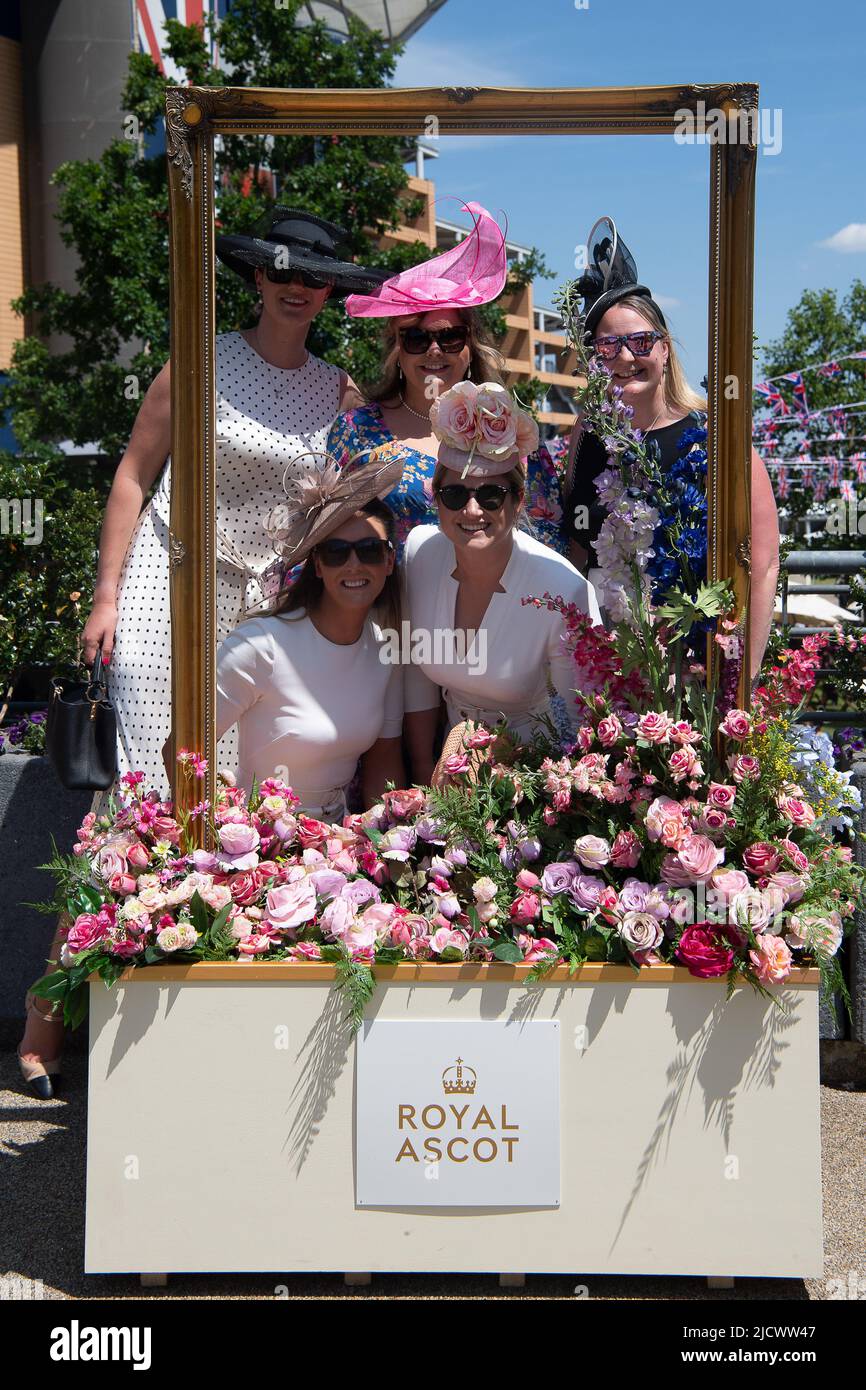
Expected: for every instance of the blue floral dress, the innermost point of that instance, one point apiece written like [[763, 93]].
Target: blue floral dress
[[412, 498]]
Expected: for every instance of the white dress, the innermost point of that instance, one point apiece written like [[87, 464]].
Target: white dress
[[265, 417], [306, 707], [517, 653]]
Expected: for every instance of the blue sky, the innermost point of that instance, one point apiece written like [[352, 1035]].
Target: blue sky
[[808, 61]]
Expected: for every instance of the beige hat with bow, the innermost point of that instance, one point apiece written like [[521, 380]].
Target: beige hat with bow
[[317, 504]]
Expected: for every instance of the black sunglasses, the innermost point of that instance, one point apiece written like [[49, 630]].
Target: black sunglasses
[[639, 344], [369, 551], [490, 496], [418, 340], [285, 277]]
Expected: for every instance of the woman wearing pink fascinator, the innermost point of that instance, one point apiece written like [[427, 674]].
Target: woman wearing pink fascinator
[[433, 339], [467, 577]]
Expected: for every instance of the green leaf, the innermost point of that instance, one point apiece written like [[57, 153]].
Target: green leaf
[[198, 913], [509, 951]]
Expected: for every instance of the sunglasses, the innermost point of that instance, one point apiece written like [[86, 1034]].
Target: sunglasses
[[639, 344], [369, 551], [418, 340], [285, 277], [489, 497]]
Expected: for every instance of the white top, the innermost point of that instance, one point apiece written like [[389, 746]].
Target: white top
[[306, 708], [508, 679], [266, 417]]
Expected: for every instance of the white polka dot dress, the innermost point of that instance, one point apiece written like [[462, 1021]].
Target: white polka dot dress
[[266, 417]]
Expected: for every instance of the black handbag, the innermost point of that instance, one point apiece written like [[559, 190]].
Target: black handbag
[[81, 731]]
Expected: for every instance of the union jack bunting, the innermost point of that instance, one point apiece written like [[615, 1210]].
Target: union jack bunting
[[808, 477], [800, 402], [859, 462], [820, 490], [837, 419], [829, 369], [772, 396], [834, 472]]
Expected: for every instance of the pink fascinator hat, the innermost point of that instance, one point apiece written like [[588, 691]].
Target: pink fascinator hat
[[482, 432], [471, 273]]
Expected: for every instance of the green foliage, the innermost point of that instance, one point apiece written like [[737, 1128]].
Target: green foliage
[[39, 617], [354, 980]]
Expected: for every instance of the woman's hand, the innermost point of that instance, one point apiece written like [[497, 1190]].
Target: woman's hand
[[99, 631]]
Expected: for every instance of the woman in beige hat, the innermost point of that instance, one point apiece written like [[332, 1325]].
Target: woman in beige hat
[[309, 684]]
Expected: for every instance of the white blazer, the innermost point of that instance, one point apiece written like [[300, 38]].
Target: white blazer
[[517, 653]]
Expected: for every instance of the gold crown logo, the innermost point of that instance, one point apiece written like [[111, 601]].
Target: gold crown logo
[[459, 1080]]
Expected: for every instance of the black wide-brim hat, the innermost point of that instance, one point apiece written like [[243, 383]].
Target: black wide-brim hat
[[610, 276], [292, 239]]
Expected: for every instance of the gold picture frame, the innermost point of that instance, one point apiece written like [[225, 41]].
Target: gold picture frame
[[196, 115]]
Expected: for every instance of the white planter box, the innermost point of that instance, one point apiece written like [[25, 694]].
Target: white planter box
[[689, 1126]]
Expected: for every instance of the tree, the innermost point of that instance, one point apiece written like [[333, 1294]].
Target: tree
[[820, 329]]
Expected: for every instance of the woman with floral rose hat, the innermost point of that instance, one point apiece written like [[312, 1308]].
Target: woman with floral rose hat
[[433, 338], [470, 576]]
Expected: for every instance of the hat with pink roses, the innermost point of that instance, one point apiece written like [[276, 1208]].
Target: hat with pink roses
[[473, 272], [483, 433]]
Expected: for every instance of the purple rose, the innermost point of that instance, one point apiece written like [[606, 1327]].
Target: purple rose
[[586, 891], [633, 895], [558, 878], [430, 829], [398, 843], [329, 882], [360, 891]]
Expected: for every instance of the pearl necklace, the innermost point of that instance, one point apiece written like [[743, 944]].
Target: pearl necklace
[[416, 413]]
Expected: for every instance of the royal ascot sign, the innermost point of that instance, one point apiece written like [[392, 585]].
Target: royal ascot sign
[[457, 1114]]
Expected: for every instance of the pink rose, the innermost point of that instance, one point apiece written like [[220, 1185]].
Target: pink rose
[[730, 882], [110, 861], [744, 768], [737, 724], [527, 879], [796, 855], [707, 951], [338, 917], [527, 437], [684, 763], [311, 832], [694, 862], [480, 738], [453, 415], [403, 804], [609, 730], [292, 904], [654, 727], [772, 961], [255, 945], [796, 810], [217, 896], [122, 884], [455, 764], [626, 850], [762, 858], [525, 908], [536, 947], [665, 821], [245, 887], [592, 851], [721, 795], [306, 950], [87, 929], [682, 732], [446, 939], [792, 886], [497, 424], [818, 933], [239, 845], [138, 856], [165, 828]]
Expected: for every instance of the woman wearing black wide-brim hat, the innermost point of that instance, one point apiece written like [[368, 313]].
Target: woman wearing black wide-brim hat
[[275, 402]]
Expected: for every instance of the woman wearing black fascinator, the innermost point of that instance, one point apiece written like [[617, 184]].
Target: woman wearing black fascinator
[[275, 402], [628, 331]]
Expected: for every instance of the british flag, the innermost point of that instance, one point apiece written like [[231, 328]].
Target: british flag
[[771, 396], [859, 462], [820, 490], [847, 491], [829, 369], [800, 402]]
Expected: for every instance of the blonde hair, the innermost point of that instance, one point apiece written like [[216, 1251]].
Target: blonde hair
[[679, 396], [486, 363]]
